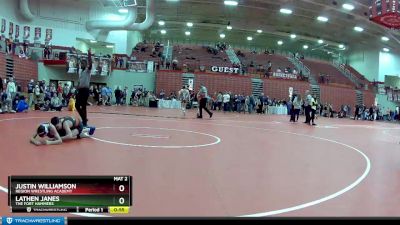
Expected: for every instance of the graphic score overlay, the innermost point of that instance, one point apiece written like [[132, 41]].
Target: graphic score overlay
[[70, 194]]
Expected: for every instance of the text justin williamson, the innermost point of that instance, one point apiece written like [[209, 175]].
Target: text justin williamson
[[45, 188]]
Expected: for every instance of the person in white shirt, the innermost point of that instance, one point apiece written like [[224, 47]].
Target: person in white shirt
[[184, 97], [226, 98], [11, 88]]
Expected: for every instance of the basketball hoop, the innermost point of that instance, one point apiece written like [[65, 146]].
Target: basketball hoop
[[129, 3]]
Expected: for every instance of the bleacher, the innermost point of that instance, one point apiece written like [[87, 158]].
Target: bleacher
[[358, 75], [144, 56], [23, 70], [326, 68], [278, 61], [195, 56]]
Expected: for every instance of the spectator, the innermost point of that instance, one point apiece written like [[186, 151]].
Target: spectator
[[11, 88], [1, 85], [55, 103], [31, 88], [6, 103], [174, 64], [109, 95], [22, 105], [118, 95], [226, 100]]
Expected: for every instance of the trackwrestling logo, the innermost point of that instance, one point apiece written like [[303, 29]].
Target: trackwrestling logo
[[9, 220], [33, 220]]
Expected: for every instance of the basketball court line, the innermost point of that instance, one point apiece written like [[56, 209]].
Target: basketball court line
[[284, 210]]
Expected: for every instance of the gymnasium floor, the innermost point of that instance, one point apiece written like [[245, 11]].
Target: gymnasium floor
[[231, 165]]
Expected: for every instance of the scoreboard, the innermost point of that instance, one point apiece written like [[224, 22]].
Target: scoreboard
[[70, 194]]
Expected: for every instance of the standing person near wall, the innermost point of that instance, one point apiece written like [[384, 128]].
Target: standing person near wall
[[203, 97], [31, 89], [307, 106], [83, 87], [11, 88], [1, 85]]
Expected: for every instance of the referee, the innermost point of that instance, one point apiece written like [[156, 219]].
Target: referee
[[83, 87]]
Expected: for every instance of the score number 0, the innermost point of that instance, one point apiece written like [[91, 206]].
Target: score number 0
[[121, 200]]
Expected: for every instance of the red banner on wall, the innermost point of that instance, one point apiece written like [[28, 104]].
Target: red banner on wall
[[49, 34], [16, 31], [11, 29], [3, 25], [38, 33], [27, 32]]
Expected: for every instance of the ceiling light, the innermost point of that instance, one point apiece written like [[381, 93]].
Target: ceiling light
[[385, 38], [229, 27], [123, 10], [359, 29], [161, 23], [386, 50], [320, 41], [222, 35], [280, 42], [231, 3], [163, 31], [259, 31], [249, 38], [341, 46], [347, 6], [189, 24], [93, 41], [293, 36], [187, 33], [109, 46], [305, 46], [322, 19], [286, 11]]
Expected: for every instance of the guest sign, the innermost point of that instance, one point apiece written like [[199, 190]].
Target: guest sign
[[224, 69]]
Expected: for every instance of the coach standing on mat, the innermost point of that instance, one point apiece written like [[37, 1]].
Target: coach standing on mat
[[83, 87]]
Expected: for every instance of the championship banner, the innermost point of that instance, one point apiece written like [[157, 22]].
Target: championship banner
[[150, 66], [390, 95], [49, 34], [72, 63], [95, 66], [285, 75], [381, 89], [16, 31], [105, 67], [27, 32], [140, 67], [38, 33], [11, 29], [3, 26], [290, 92], [190, 84]]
